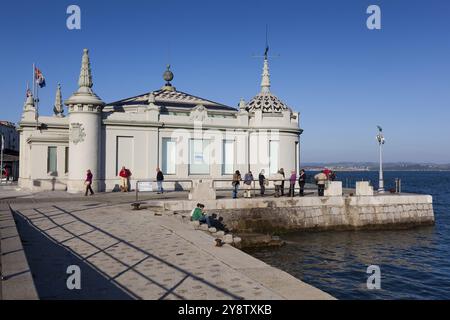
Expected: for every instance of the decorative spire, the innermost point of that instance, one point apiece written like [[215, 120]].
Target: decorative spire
[[151, 98], [265, 81], [58, 109], [242, 105], [85, 79], [85, 95], [29, 102]]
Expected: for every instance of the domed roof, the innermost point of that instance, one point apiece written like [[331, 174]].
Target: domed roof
[[267, 102]]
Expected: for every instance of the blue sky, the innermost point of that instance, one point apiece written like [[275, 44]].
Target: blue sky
[[343, 78]]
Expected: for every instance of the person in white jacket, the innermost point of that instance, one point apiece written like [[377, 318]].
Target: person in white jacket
[[321, 179], [278, 181]]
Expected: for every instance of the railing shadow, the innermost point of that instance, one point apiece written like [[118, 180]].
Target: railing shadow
[[103, 282], [49, 264]]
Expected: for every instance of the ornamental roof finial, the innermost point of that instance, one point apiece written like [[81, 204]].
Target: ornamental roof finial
[[85, 79], [84, 94], [265, 81], [168, 76]]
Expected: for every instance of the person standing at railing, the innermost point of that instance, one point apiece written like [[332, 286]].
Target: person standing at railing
[[236, 182], [332, 176], [277, 181], [292, 182], [262, 182], [248, 180], [302, 182], [159, 180], [321, 178], [282, 182]]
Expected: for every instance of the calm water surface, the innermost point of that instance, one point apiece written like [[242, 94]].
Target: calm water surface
[[414, 263]]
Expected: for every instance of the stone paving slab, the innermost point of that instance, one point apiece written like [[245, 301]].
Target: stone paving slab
[[147, 256]]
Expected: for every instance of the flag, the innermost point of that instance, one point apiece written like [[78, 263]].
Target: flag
[[39, 77]]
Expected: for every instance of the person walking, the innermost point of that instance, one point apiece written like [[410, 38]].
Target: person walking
[[321, 178], [124, 175], [159, 180], [248, 180], [292, 182], [236, 183], [262, 182], [277, 181], [88, 183], [282, 182], [302, 182]]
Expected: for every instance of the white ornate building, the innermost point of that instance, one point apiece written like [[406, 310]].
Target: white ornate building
[[186, 136]]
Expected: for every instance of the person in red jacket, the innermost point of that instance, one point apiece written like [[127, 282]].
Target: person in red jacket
[[6, 173], [124, 175]]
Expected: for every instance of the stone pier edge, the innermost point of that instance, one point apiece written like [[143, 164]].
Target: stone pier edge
[[16, 279]]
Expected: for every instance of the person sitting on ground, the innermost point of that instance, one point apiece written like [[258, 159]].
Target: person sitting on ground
[[217, 223], [199, 215]]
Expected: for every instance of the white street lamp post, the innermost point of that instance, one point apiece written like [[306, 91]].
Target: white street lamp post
[[381, 141]]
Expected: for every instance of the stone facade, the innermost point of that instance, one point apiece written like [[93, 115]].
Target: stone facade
[[146, 131]]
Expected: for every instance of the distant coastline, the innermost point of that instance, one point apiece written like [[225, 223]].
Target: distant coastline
[[371, 166]]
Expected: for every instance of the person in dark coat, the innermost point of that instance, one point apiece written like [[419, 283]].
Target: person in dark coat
[[302, 182], [236, 182], [262, 182], [282, 182], [159, 180]]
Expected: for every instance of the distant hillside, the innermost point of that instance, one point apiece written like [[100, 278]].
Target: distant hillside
[[372, 166]]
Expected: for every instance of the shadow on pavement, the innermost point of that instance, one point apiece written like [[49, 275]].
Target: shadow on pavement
[[48, 262]]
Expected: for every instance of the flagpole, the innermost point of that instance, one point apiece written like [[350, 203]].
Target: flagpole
[[1, 158], [33, 81], [35, 96]]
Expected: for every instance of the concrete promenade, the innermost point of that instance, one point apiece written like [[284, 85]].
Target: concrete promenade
[[126, 254]]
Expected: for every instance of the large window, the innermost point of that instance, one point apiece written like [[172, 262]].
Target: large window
[[198, 156], [228, 157], [124, 156], [273, 156], [169, 149], [51, 160]]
